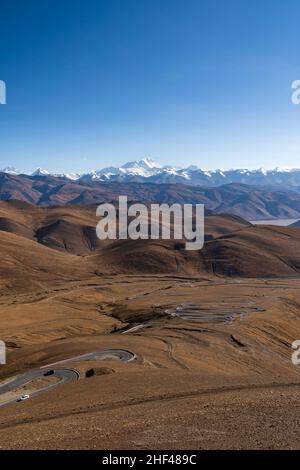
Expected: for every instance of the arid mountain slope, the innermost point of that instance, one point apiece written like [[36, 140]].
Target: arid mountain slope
[[256, 251], [42, 246], [73, 228], [27, 265]]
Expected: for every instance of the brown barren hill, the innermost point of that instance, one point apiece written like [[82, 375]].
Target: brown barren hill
[[68, 236], [26, 265], [256, 251], [40, 244]]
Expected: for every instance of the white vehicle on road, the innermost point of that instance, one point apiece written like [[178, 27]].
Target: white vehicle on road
[[23, 397]]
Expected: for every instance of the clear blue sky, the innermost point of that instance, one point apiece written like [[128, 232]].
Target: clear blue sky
[[92, 83]]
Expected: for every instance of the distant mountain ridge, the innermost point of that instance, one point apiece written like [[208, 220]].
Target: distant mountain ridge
[[147, 170], [248, 202]]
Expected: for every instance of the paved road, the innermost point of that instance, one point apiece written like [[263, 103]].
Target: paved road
[[121, 354], [133, 329], [65, 375]]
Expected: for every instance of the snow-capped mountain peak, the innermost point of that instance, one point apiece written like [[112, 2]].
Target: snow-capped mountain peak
[[149, 163], [70, 176], [145, 167], [40, 172], [10, 170], [146, 163]]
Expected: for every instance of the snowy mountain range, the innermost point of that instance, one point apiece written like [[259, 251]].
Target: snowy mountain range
[[147, 170]]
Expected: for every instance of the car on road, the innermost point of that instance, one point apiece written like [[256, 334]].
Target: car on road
[[23, 397], [49, 372]]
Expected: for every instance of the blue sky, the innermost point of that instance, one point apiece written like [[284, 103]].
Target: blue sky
[[99, 82]]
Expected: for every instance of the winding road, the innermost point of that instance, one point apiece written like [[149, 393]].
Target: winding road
[[64, 375], [121, 354]]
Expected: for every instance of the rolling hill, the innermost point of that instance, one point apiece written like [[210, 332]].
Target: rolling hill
[[41, 246]]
